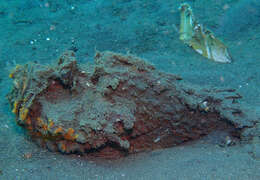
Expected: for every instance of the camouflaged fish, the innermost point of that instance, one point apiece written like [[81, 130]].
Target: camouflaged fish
[[200, 39]]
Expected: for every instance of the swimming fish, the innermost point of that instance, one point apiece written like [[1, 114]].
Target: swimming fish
[[201, 39]]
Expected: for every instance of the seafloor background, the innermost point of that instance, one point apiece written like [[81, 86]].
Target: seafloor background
[[40, 30]]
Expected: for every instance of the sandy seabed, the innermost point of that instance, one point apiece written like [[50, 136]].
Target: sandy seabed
[[41, 30]]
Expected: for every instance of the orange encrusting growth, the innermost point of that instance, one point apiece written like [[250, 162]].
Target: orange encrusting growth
[[70, 134], [45, 127], [63, 147], [58, 130], [28, 121], [42, 125], [39, 120]]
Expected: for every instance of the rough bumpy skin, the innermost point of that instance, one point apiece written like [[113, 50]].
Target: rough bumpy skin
[[119, 105]]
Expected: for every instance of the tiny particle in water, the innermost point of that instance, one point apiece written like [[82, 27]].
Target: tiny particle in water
[[52, 27], [47, 39], [47, 5], [228, 140], [205, 103], [222, 79], [225, 7], [157, 139]]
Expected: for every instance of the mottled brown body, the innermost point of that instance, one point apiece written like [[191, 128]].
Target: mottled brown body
[[117, 106]]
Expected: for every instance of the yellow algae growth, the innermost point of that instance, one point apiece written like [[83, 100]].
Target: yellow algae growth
[[70, 134], [23, 113], [17, 67], [51, 124], [15, 107], [11, 75]]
